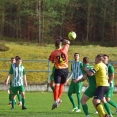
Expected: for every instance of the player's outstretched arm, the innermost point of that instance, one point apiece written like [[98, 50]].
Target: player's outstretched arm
[[66, 41], [83, 78]]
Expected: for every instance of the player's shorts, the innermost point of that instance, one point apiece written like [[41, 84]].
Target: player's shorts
[[110, 92], [16, 89], [75, 87], [100, 92], [60, 75], [90, 91], [52, 75]]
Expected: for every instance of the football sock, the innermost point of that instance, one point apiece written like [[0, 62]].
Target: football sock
[[113, 103], [100, 110], [85, 109], [56, 92], [78, 98], [107, 107], [19, 97], [23, 102], [10, 98], [61, 90], [72, 100], [13, 103]]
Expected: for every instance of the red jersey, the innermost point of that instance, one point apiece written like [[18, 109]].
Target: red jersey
[[60, 57]]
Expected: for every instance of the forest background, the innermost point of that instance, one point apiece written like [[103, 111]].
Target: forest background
[[28, 29]]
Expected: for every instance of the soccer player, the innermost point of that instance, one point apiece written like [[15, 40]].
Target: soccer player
[[89, 92], [60, 58], [75, 87], [101, 73], [10, 93], [18, 76], [109, 94]]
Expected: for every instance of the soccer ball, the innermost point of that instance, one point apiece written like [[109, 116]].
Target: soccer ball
[[72, 35]]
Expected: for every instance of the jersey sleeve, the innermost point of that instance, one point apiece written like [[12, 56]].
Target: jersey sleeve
[[24, 71], [11, 70], [96, 68], [111, 69], [65, 48]]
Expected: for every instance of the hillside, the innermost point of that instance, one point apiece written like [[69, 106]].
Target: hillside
[[35, 52]]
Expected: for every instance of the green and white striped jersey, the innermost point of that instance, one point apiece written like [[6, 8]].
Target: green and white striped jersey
[[17, 73], [76, 69]]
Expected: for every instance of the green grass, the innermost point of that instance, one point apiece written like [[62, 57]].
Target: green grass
[[39, 105], [29, 51]]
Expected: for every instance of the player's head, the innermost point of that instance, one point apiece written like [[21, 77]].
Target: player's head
[[106, 57], [86, 60], [76, 56], [13, 60], [58, 42], [18, 60], [99, 58]]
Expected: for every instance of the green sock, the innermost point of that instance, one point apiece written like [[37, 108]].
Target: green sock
[[23, 102], [10, 97], [78, 98], [72, 100], [113, 103], [107, 107], [52, 88], [13, 103], [85, 109], [19, 97]]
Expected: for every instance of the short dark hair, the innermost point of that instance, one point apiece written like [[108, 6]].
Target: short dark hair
[[57, 42], [86, 60], [76, 53], [106, 55], [100, 57], [12, 58], [18, 58]]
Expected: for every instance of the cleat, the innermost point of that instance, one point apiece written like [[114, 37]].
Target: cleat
[[59, 102], [110, 116], [74, 109], [19, 104], [12, 108], [9, 104], [87, 116], [78, 110], [54, 106], [24, 108], [96, 112]]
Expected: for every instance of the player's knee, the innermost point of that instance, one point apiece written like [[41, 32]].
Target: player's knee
[[69, 94], [107, 99]]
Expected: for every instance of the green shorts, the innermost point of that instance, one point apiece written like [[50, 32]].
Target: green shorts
[[110, 92], [52, 75], [75, 87], [16, 89], [90, 91]]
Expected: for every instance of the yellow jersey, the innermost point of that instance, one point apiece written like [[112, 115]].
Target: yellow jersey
[[101, 74]]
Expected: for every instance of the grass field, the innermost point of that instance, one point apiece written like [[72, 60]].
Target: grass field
[[39, 105]]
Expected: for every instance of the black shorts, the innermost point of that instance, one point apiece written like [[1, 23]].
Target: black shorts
[[100, 92], [60, 75]]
